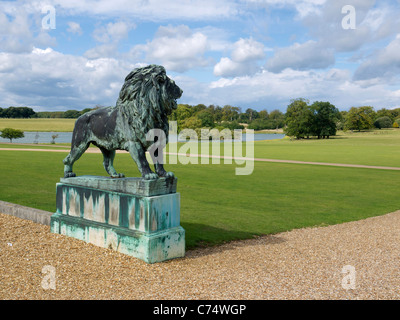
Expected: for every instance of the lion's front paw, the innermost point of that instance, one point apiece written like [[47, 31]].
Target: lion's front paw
[[118, 175], [69, 174], [150, 176], [169, 174]]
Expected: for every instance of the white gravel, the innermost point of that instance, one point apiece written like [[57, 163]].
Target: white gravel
[[300, 264]]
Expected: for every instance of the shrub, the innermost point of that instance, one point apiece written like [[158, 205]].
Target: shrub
[[261, 124], [383, 122]]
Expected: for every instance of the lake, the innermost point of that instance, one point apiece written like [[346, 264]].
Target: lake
[[65, 137]]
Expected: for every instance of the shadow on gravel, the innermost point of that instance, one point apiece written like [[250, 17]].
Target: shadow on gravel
[[213, 239]]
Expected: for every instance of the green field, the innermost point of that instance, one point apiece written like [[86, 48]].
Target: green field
[[218, 206], [378, 147], [40, 124]]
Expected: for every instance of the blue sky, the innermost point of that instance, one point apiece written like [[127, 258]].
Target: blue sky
[[256, 54]]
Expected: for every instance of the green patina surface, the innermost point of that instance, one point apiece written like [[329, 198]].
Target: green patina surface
[[136, 186], [146, 227]]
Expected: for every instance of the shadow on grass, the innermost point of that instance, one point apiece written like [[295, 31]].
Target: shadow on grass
[[204, 239]]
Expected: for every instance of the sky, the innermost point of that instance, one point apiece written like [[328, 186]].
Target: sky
[[58, 55]]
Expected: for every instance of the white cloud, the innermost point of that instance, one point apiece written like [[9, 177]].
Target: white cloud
[[243, 61], [17, 32], [177, 48], [74, 27], [229, 68], [109, 36], [303, 7], [159, 10], [275, 90], [384, 64], [308, 55], [41, 78], [112, 32], [247, 50], [326, 28]]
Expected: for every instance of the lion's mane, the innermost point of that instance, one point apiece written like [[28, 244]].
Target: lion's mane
[[145, 101]]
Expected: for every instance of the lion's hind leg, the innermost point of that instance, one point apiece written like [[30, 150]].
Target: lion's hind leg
[[161, 171], [108, 163], [75, 154]]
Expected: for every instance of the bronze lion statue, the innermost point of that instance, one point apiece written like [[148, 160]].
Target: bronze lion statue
[[147, 97]]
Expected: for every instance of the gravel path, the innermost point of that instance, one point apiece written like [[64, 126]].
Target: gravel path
[[300, 264]]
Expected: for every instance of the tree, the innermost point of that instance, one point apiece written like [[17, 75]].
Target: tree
[[263, 114], [191, 123], [199, 108], [86, 110], [217, 112], [278, 118], [360, 118], [72, 114], [395, 113], [17, 112], [299, 119], [383, 122], [384, 113], [261, 124], [252, 114], [326, 115], [230, 113], [9, 133], [206, 118], [182, 112]]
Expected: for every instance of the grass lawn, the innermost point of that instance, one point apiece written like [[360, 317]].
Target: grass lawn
[[217, 205], [378, 147], [40, 124]]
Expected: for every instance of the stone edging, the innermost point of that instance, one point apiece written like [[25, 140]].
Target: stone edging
[[27, 213]]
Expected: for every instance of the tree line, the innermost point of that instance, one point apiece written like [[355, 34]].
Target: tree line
[[231, 117], [320, 119], [26, 113]]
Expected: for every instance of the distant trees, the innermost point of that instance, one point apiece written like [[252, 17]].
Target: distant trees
[[325, 119], [9, 133], [262, 120], [72, 114], [383, 122], [304, 120], [69, 114], [298, 119], [17, 112], [26, 112], [201, 116], [361, 118]]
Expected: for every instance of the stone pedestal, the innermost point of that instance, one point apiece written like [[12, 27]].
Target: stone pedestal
[[133, 216]]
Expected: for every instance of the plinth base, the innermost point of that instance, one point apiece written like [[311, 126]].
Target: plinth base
[[146, 227]]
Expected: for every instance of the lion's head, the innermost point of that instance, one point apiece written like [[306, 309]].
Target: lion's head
[[147, 97]]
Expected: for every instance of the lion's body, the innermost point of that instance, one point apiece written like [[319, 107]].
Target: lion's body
[[145, 100]]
